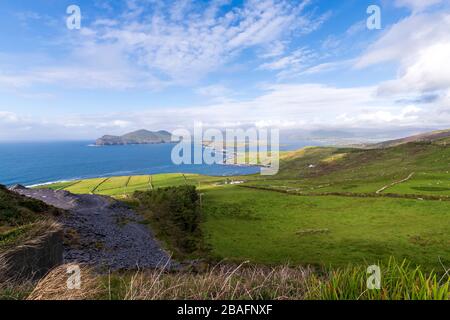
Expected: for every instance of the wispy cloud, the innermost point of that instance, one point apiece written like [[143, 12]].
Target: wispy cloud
[[417, 5], [155, 43], [291, 64]]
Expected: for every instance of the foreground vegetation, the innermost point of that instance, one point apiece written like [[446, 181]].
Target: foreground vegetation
[[399, 281], [21, 218]]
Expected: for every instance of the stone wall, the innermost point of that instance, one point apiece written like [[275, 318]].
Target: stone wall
[[34, 258]]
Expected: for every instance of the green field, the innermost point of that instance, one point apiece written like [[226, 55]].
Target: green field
[[425, 183], [322, 207], [270, 227], [125, 185]]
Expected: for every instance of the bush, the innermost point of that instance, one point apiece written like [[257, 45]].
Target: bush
[[175, 215]]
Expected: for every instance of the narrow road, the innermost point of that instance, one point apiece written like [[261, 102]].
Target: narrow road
[[395, 183], [102, 232]]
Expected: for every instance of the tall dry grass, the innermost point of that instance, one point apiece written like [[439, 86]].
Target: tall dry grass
[[399, 282], [54, 286], [219, 283]]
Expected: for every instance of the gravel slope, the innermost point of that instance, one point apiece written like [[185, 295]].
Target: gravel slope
[[102, 232]]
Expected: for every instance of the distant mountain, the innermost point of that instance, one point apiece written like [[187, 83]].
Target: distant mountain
[[136, 137], [434, 136]]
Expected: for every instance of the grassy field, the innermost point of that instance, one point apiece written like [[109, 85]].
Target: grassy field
[[125, 185], [333, 217], [269, 227]]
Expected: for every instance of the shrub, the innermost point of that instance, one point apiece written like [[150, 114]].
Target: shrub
[[175, 215]]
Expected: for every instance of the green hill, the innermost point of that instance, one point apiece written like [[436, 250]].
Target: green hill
[[434, 136], [366, 170]]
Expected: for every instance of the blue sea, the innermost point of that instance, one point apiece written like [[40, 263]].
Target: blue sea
[[34, 163]]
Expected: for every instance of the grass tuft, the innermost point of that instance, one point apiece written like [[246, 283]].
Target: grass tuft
[[223, 282]]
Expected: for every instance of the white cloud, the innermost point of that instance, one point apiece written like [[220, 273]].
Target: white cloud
[[199, 44], [430, 71], [129, 53], [299, 106], [328, 66], [404, 40], [290, 65], [420, 46], [155, 44], [295, 59], [81, 77], [105, 22], [216, 90], [8, 117], [29, 18], [417, 5], [275, 49], [406, 116]]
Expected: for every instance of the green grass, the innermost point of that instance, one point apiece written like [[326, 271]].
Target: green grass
[[425, 183], [13, 236], [20, 217], [61, 185], [17, 210], [113, 183], [126, 185], [363, 170], [266, 227], [399, 281], [168, 180], [85, 186]]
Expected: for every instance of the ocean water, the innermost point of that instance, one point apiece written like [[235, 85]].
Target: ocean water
[[34, 163]]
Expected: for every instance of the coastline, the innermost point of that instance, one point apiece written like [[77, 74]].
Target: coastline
[[132, 175], [42, 163], [50, 183]]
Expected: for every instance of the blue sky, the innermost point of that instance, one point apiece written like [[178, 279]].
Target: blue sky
[[165, 64]]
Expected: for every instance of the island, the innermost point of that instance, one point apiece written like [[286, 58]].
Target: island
[[136, 137]]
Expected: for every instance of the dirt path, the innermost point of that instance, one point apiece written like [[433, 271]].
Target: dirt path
[[395, 183], [102, 232]]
